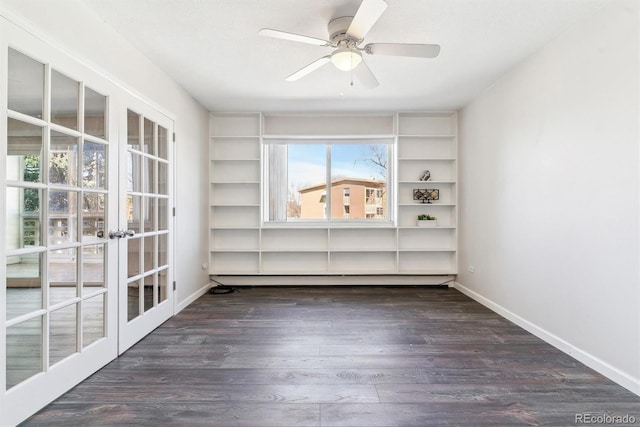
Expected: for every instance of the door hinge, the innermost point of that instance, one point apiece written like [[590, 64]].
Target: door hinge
[[174, 285], [174, 211], [174, 137]]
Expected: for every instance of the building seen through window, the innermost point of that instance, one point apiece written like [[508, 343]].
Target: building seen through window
[[327, 182]]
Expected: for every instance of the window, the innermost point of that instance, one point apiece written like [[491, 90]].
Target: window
[[319, 181]]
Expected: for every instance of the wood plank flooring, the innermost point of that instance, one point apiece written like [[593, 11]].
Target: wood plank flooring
[[339, 356]]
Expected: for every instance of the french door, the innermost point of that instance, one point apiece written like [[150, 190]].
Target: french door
[[145, 217], [85, 220]]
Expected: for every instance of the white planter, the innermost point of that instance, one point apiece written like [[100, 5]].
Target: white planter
[[427, 223]]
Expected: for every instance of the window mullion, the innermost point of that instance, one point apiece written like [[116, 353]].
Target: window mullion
[[328, 186]]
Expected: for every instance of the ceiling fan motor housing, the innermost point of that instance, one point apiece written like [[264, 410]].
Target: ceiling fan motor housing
[[338, 32]]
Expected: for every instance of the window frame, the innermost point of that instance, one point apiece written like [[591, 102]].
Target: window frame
[[391, 183]]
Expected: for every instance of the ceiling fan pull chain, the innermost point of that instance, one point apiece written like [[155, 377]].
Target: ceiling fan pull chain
[[351, 71]]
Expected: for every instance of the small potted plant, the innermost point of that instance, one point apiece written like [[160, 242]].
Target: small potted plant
[[425, 220]]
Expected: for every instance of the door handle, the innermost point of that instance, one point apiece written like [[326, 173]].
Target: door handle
[[116, 233], [121, 233]]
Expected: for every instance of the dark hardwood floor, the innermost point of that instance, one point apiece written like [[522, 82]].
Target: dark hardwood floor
[[339, 356]]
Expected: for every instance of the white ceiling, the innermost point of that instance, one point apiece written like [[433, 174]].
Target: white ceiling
[[212, 48]]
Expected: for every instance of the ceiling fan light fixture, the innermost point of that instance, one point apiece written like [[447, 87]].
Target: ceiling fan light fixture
[[346, 59]]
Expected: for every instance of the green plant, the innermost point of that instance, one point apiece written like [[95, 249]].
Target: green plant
[[425, 217]]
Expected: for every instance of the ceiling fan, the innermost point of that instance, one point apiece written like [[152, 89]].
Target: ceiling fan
[[346, 35]]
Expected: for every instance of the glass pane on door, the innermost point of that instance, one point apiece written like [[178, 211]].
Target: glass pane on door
[[94, 165], [62, 333], [163, 247], [149, 253], [163, 143], [93, 319], [24, 284], [163, 213], [149, 214], [93, 216], [163, 285], [24, 350], [149, 287], [63, 217], [134, 212], [24, 151], [163, 177], [64, 100], [63, 275], [95, 107], [23, 218], [133, 300], [133, 256], [149, 141], [93, 268], [26, 84], [133, 130], [63, 159]]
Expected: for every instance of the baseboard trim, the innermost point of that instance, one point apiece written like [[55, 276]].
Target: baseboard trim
[[614, 374], [332, 280], [191, 298]]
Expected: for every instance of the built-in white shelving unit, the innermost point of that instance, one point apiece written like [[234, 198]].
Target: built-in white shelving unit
[[427, 141], [241, 244], [234, 194]]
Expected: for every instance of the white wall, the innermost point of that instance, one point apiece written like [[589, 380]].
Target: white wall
[[69, 25], [549, 166]]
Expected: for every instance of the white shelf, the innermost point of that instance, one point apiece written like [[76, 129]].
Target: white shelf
[[235, 137], [233, 205], [426, 182], [235, 160], [294, 262], [235, 262], [427, 159], [235, 171], [362, 250], [235, 182], [234, 227], [232, 250], [371, 263], [328, 137], [433, 272], [437, 227], [426, 205], [428, 250], [241, 244], [284, 250], [427, 136]]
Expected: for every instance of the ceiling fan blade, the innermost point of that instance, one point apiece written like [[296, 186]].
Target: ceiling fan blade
[[308, 69], [403, 49], [277, 34], [367, 15], [365, 76]]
